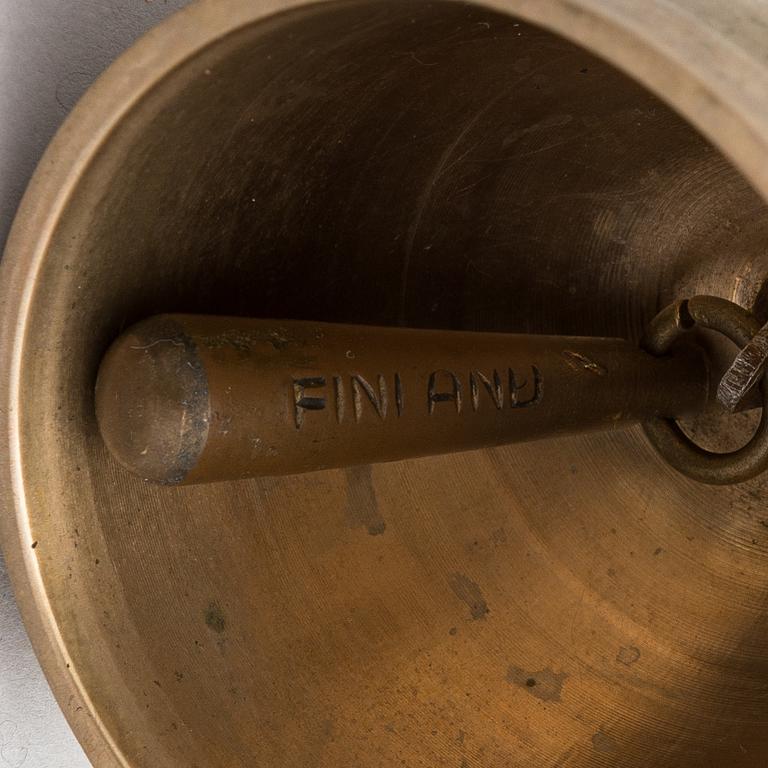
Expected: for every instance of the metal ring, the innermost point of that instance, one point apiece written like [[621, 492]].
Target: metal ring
[[666, 436]]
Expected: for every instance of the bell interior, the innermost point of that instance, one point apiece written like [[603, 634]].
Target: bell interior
[[567, 603]]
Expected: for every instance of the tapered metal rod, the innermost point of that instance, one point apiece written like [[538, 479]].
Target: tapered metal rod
[[191, 399]]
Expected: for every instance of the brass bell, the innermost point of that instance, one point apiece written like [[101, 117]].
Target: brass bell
[[360, 365]]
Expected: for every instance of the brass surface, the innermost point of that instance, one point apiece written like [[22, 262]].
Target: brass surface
[[746, 371], [183, 399], [666, 435], [568, 603]]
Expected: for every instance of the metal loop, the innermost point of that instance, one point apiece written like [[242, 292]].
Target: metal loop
[[740, 326]]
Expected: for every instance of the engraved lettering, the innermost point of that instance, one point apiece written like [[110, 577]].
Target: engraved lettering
[[302, 402], [433, 396], [379, 402], [399, 394], [495, 388], [338, 391], [444, 386], [515, 388]]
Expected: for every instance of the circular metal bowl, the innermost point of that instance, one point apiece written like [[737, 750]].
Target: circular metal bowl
[[511, 166]]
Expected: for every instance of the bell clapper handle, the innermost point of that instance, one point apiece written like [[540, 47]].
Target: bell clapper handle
[[183, 399]]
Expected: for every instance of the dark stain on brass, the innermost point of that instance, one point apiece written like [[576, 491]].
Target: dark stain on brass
[[544, 684], [469, 592], [602, 742], [214, 618], [628, 655], [362, 506]]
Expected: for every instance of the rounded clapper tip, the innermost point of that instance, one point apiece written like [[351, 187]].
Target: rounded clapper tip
[[152, 402]]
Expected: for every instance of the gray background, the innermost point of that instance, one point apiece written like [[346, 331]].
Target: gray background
[[50, 52]]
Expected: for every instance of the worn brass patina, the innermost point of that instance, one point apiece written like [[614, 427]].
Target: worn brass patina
[[190, 399], [574, 602]]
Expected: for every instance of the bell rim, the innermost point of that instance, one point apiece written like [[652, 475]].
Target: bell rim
[[696, 89]]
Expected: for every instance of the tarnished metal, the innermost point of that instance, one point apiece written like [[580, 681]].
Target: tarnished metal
[[572, 602], [745, 372], [186, 399], [740, 326]]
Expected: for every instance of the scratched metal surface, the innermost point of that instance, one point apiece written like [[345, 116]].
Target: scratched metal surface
[[545, 605], [398, 612], [50, 52]]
